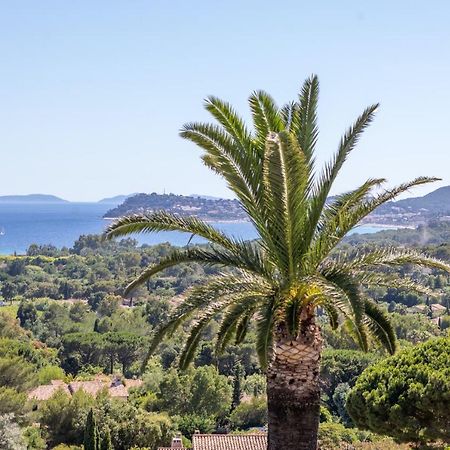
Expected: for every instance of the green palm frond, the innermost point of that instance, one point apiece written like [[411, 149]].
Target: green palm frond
[[287, 113], [332, 313], [380, 326], [224, 113], [305, 121], [390, 280], [232, 317], [230, 288], [285, 174], [165, 221], [201, 296], [392, 257], [338, 219], [190, 347], [228, 158], [323, 184], [248, 260], [352, 289], [266, 115], [264, 337]]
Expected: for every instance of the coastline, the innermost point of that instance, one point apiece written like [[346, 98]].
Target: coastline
[[385, 226], [204, 220]]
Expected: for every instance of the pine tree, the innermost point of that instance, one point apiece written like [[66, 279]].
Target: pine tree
[[96, 323], [106, 441], [91, 440]]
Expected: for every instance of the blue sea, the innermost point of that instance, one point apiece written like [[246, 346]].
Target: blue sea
[[61, 224]]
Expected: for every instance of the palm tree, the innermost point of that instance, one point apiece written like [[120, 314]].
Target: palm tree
[[279, 280]]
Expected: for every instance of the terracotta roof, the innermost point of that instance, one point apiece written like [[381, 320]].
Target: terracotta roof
[[90, 387], [229, 441], [115, 388], [130, 383], [46, 391], [118, 391]]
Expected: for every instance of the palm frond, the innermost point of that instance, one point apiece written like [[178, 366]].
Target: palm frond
[[227, 288], [238, 165], [224, 113], [266, 115], [332, 313], [305, 120], [284, 183], [371, 278], [380, 326], [248, 260], [165, 221], [323, 185], [392, 257], [352, 289], [264, 335], [337, 220], [232, 317]]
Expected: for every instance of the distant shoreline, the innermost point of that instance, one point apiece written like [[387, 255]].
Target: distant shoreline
[[387, 226], [204, 220]]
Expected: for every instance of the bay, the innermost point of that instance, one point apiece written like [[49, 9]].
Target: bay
[[61, 224]]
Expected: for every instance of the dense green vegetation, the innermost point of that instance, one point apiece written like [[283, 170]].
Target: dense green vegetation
[[406, 396], [90, 331]]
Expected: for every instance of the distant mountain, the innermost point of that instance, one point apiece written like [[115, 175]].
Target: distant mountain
[[117, 200], [414, 211], [204, 208], [436, 202], [31, 198]]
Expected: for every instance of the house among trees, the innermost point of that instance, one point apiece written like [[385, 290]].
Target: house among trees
[[115, 388], [256, 441]]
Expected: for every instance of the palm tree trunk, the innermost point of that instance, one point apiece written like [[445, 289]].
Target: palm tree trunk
[[293, 389]]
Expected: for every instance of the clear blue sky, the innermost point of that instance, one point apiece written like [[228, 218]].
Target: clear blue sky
[[93, 93]]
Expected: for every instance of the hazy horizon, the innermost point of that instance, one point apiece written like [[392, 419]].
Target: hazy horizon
[[93, 94]]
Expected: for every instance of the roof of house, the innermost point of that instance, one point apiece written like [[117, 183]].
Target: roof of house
[[46, 391], [115, 388], [132, 383], [90, 387], [229, 441]]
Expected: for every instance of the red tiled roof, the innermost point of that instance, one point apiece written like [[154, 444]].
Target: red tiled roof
[[229, 441], [47, 391], [90, 387], [118, 391], [93, 387], [131, 383]]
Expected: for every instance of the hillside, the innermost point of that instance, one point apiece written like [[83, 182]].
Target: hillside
[[437, 201], [414, 211], [204, 208], [116, 200], [31, 198]]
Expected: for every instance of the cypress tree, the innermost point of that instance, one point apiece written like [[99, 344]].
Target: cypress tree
[[106, 441], [238, 374], [91, 440]]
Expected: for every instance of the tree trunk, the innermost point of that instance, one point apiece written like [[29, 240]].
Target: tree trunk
[[293, 388]]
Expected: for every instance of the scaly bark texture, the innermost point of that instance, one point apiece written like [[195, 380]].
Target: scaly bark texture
[[293, 389]]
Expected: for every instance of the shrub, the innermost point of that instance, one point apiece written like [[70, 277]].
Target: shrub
[[250, 414], [189, 423], [48, 373], [332, 435]]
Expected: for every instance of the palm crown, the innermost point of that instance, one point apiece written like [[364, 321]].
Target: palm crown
[[289, 271]]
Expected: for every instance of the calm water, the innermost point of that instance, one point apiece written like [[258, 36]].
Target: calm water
[[61, 224]]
